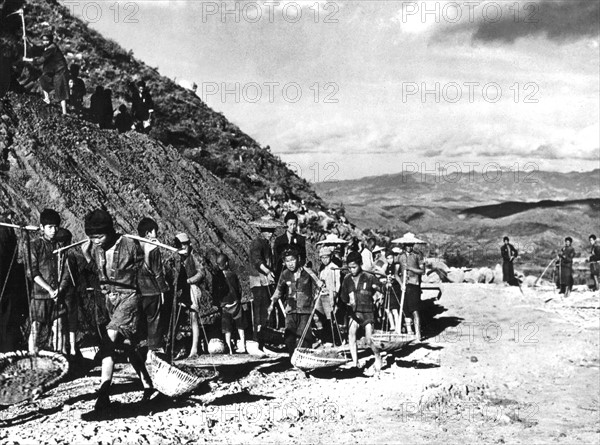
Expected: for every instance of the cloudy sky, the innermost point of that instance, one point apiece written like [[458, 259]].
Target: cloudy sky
[[360, 88]]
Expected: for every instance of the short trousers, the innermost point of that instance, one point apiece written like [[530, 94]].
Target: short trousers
[[364, 318], [228, 324], [124, 309]]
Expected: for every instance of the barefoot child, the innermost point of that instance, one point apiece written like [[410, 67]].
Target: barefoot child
[[228, 294], [187, 273], [70, 289], [153, 286], [44, 273], [117, 260], [357, 293]]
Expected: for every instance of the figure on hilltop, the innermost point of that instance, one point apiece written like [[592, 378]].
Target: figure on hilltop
[[76, 89], [142, 106], [54, 70], [123, 120]]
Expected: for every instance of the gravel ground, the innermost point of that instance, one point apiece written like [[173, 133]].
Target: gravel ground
[[498, 367]]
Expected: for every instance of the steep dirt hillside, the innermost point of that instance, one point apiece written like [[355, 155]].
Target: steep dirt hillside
[[68, 164], [182, 118]]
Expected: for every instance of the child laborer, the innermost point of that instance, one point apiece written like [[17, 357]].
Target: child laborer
[[44, 273], [331, 275], [228, 294], [393, 292], [153, 286], [261, 276], [357, 292], [117, 260], [187, 273], [70, 289], [297, 285]]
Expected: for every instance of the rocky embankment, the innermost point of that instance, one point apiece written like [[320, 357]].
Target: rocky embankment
[[70, 165]]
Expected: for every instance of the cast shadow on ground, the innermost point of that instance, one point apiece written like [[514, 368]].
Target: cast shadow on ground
[[115, 389], [432, 324], [119, 410], [34, 414], [231, 373], [237, 398]]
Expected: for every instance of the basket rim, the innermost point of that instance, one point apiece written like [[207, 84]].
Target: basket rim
[[302, 358], [55, 357], [185, 382]]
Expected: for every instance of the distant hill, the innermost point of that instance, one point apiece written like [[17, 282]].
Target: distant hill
[[462, 190], [471, 215]]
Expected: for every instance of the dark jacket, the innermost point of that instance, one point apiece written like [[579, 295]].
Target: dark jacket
[[44, 264], [52, 59], [298, 293], [363, 292], [128, 259], [179, 270], [595, 251], [260, 254], [508, 251], [281, 243], [72, 279], [151, 278], [141, 105], [226, 288]]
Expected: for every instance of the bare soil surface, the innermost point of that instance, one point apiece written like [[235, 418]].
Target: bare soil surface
[[497, 367]]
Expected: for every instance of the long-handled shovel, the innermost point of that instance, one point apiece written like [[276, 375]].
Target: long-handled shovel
[[21, 13], [544, 272]]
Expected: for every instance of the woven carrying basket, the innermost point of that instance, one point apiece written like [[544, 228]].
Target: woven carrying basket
[[24, 375], [309, 359], [172, 381], [272, 336], [390, 341]]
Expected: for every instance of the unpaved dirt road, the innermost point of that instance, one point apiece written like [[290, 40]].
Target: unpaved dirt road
[[498, 367]]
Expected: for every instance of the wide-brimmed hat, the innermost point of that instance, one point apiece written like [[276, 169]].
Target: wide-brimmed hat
[[266, 224], [182, 237], [378, 249], [397, 250], [326, 251], [408, 238], [332, 238]]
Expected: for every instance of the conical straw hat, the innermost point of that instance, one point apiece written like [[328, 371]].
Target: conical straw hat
[[408, 238]]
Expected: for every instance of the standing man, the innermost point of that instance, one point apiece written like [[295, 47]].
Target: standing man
[[289, 239], [509, 253], [367, 254], [595, 261], [261, 274], [9, 319], [411, 266], [565, 259]]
